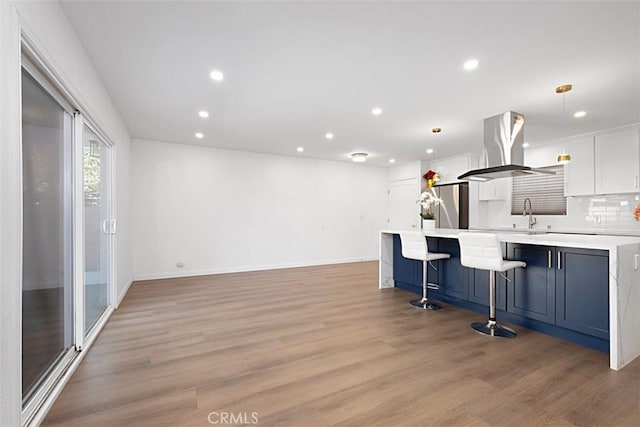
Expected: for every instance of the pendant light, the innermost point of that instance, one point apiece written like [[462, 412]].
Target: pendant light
[[435, 132], [564, 158]]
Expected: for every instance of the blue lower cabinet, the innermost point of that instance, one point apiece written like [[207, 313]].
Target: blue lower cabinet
[[563, 292], [531, 291], [582, 291], [452, 277], [479, 287], [407, 273]]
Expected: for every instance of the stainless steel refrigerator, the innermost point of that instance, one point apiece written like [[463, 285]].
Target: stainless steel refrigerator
[[453, 211]]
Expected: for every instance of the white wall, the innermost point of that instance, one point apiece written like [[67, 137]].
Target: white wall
[[221, 210], [47, 26]]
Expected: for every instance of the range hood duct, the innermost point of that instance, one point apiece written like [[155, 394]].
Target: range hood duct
[[503, 152]]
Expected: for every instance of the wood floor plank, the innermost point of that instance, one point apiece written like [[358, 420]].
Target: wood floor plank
[[323, 346]]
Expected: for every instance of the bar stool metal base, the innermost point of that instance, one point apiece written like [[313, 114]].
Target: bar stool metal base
[[492, 328], [424, 304]]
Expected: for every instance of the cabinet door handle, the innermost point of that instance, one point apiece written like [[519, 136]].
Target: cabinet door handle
[[549, 259], [559, 260], [635, 182]]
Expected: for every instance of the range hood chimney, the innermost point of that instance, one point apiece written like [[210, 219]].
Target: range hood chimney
[[503, 152]]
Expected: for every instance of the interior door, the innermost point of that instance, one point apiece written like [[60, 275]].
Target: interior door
[[404, 211]]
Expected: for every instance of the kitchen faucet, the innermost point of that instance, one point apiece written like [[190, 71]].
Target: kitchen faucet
[[532, 220]]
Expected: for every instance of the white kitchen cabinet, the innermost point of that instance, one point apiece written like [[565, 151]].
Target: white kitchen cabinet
[[452, 167], [496, 189], [617, 162], [579, 174]]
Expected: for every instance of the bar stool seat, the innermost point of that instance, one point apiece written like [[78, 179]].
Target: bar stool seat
[[414, 246], [484, 252]]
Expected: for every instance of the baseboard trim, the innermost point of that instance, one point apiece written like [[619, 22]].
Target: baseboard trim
[[241, 269], [122, 294]]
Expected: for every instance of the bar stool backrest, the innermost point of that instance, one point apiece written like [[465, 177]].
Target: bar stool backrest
[[414, 245], [481, 250]]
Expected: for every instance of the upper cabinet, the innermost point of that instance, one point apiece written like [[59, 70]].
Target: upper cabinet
[[617, 162], [579, 178], [452, 167]]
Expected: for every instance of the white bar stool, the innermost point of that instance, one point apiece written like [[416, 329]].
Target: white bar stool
[[483, 251], [414, 246]]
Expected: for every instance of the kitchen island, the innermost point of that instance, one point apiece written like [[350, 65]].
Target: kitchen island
[[565, 263]]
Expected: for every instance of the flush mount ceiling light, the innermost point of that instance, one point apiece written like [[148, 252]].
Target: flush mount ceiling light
[[217, 75], [376, 111], [359, 157], [392, 160], [203, 114], [429, 150], [579, 114], [525, 144], [328, 135], [471, 64], [199, 135], [564, 158], [300, 149]]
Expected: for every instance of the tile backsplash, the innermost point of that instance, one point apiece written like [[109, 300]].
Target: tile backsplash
[[610, 211]]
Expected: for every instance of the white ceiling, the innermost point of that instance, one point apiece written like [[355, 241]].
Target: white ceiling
[[296, 70]]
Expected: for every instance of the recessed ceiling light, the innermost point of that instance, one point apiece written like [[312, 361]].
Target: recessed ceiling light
[[203, 114], [300, 149], [525, 144], [392, 160], [376, 111], [579, 114], [217, 75], [471, 64], [429, 150], [328, 135], [199, 135], [359, 157]]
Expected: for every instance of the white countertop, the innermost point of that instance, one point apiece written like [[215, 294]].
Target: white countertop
[[586, 241], [598, 231]]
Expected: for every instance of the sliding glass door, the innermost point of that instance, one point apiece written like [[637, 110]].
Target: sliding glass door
[[67, 289], [47, 268], [98, 226]]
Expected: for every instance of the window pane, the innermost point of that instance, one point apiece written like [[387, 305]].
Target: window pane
[[546, 193], [96, 227]]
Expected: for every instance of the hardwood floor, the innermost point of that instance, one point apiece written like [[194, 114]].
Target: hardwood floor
[[322, 346]]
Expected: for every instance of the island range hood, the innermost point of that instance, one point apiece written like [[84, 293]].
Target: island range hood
[[503, 152]]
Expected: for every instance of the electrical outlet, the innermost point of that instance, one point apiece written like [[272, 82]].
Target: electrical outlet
[[180, 263]]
